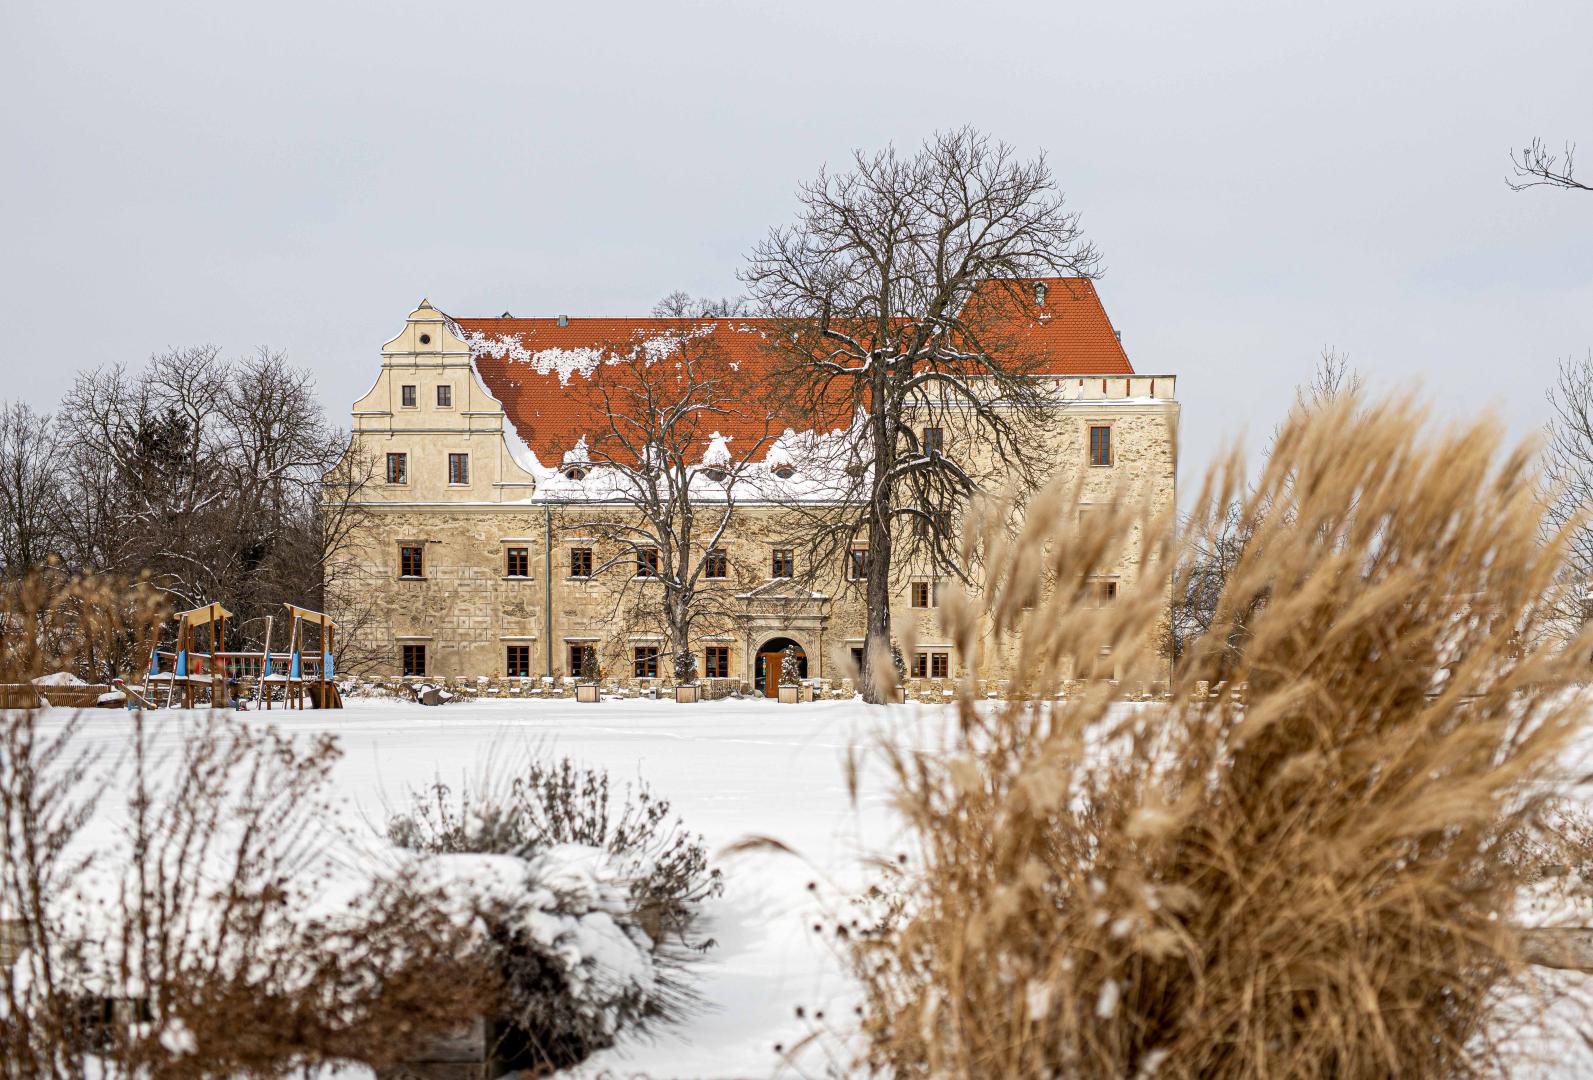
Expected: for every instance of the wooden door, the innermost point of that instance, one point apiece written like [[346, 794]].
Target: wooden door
[[771, 673]]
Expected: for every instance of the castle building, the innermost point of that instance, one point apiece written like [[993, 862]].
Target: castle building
[[469, 558]]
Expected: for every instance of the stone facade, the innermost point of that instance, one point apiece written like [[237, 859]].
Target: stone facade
[[491, 594]]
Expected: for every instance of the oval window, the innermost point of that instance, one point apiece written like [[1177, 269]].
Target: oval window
[[425, 339], [717, 475], [784, 472], [575, 473]]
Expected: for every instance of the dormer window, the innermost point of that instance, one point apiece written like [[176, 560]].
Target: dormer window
[[716, 475], [784, 472], [1039, 293], [575, 472]]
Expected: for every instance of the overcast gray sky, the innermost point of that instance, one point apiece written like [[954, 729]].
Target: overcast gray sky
[[1263, 178]]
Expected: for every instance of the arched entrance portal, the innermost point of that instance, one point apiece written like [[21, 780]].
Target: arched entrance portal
[[770, 658]]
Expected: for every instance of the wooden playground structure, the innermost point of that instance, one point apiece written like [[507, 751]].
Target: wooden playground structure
[[198, 668]]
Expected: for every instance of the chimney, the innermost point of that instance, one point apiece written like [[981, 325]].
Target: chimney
[[564, 320]]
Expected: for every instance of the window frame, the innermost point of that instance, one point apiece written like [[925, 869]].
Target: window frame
[[408, 652], [1105, 444], [459, 465], [931, 593], [933, 445], [782, 558], [644, 661], [711, 653], [509, 664], [939, 665], [445, 395], [857, 564], [647, 563], [509, 559], [401, 459], [575, 655], [419, 560], [581, 556], [409, 395], [716, 565]]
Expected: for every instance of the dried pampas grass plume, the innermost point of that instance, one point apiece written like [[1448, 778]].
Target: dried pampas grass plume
[[1301, 861]]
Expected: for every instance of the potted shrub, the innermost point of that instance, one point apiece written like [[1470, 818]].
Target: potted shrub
[[587, 690], [687, 690], [900, 693], [790, 680]]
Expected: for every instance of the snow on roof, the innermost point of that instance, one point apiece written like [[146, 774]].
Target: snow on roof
[[540, 368]]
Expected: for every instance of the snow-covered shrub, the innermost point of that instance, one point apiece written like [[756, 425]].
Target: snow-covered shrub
[[1310, 872], [217, 930], [790, 667], [574, 968], [630, 842]]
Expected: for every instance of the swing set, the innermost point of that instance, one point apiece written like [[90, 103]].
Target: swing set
[[187, 672]]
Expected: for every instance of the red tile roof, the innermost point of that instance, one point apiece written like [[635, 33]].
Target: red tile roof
[[538, 371]]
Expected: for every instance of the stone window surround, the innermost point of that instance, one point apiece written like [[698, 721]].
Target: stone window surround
[[1089, 444]]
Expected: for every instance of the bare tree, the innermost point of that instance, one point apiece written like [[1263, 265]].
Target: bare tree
[[219, 479], [1568, 475], [683, 305], [30, 490], [1217, 533], [663, 481], [1538, 166], [890, 296]]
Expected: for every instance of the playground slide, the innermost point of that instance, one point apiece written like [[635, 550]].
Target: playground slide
[[332, 699]]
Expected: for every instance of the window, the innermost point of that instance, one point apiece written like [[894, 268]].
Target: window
[[936, 523], [580, 653], [412, 561], [931, 665], [857, 658], [717, 659], [646, 562], [857, 564], [1100, 445], [717, 566], [782, 563], [920, 665], [398, 468], [459, 468], [926, 594], [1104, 592], [646, 661], [406, 394], [445, 396], [934, 441], [717, 475], [518, 562], [517, 662], [784, 471], [414, 659], [581, 562]]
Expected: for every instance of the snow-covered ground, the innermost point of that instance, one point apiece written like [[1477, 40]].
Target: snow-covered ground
[[733, 770]]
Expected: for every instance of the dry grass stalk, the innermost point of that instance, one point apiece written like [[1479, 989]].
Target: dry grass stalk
[[1307, 873], [182, 948]]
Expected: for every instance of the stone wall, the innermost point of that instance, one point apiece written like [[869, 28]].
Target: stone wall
[[467, 611]]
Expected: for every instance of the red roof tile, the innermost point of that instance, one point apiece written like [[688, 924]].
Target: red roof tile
[[1070, 333]]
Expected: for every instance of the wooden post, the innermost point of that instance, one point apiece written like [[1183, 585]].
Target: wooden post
[[185, 637]]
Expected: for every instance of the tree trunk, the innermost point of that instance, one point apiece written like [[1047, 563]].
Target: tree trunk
[[677, 617], [878, 686]]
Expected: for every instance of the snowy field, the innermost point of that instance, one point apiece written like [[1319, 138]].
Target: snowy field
[[732, 769]]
